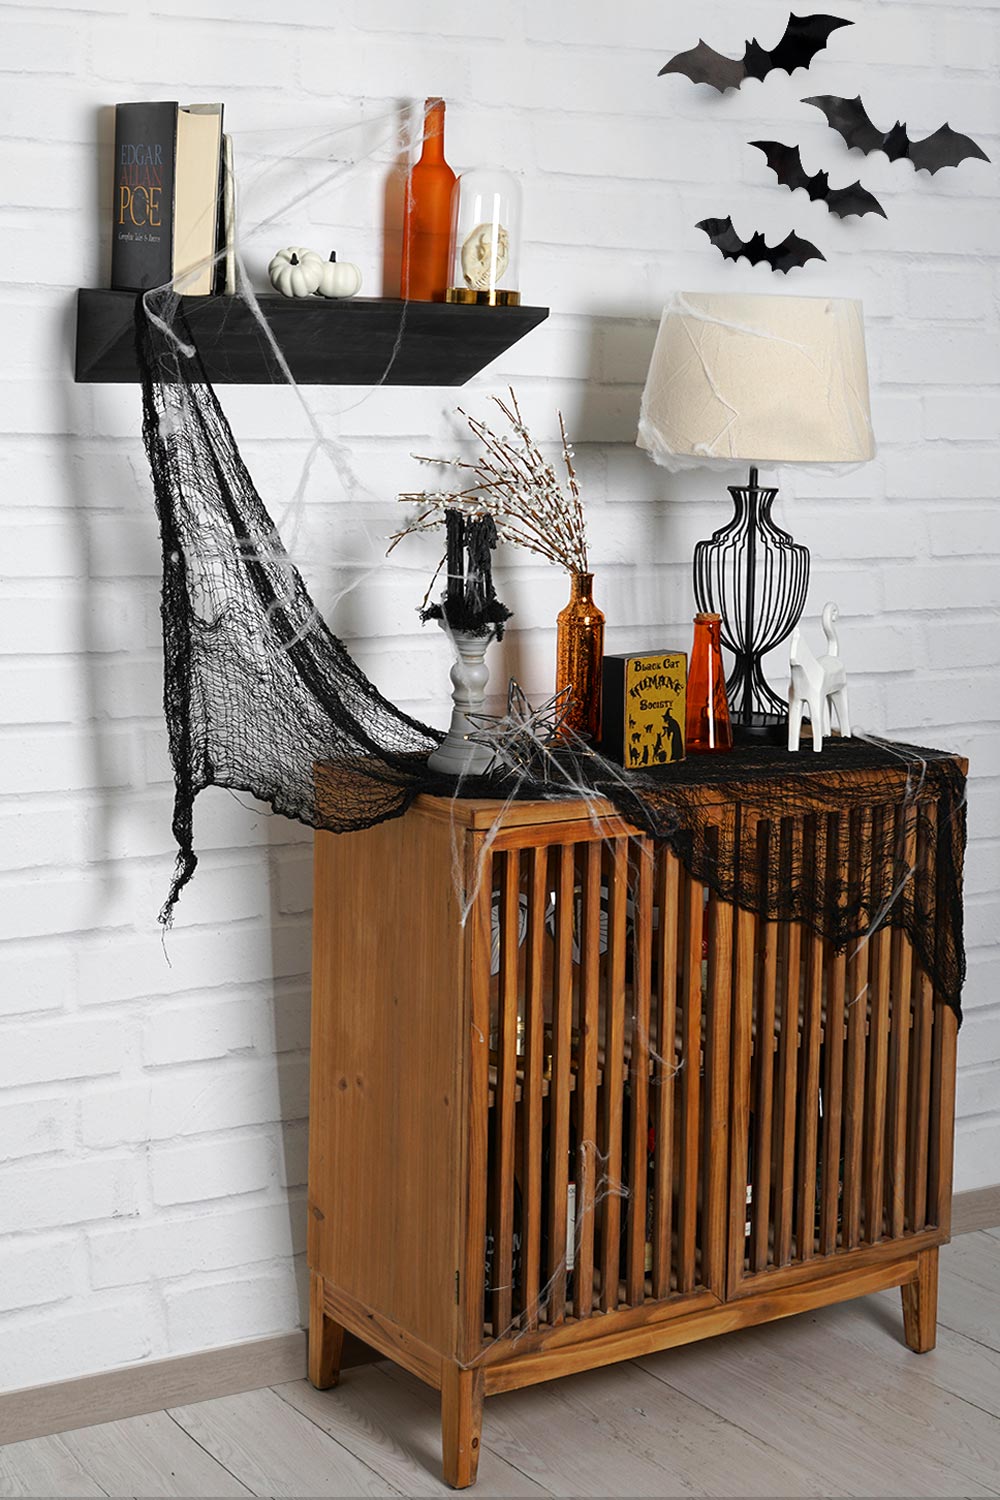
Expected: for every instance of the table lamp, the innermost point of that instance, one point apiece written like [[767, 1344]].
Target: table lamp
[[761, 380]]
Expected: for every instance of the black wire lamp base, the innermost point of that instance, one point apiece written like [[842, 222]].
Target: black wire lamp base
[[755, 576]]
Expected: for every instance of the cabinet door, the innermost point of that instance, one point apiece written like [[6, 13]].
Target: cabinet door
[[841, 1060], [605, 1016]]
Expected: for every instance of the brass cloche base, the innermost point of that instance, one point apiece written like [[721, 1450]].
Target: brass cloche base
[[495, 298]]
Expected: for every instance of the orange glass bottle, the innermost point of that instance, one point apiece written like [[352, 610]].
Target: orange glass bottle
[[427, 218], [707, 725]]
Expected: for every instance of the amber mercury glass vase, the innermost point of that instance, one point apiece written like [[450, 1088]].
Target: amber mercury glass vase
[[707, 726], [425, 266], [579, 655]]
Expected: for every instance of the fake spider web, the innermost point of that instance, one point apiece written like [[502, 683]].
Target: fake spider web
[[258, 690]]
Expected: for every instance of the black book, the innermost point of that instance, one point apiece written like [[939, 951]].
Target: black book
[[643, 708]]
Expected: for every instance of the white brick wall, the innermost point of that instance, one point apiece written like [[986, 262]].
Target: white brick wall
[[151, 1115]]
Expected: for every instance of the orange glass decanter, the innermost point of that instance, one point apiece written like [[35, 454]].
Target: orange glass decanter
[[427, 219], [580, 654], [708, 726]]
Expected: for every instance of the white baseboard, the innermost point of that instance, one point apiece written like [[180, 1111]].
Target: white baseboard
[[41, 1410], [977, 1209]]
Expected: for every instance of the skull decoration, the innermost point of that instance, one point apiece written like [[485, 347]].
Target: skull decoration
[[485, 256]]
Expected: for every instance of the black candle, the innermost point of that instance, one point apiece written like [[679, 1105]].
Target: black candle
[[480, 539], [455, 533]]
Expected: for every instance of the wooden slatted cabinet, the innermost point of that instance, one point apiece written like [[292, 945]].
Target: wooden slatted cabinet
[[569, 1107]]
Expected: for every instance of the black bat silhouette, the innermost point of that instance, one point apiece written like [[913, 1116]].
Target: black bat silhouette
[[804, 36], [945, 148], [786, 164], [792, 251]]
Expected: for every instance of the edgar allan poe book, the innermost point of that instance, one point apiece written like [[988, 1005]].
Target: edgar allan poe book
[[643, 708], [167, 181], [142, 241]]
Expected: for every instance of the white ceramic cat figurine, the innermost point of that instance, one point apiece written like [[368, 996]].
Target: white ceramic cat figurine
[[815, 684]]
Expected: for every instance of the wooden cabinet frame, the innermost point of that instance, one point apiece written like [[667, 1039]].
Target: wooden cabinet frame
[[600, 1018]]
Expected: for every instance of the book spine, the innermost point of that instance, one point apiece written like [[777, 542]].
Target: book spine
[[229, 215], [613, 708], [143, 213], [222, 274]]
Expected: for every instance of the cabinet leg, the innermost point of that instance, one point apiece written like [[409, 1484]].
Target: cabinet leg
[[462, 1394], [920, 1304], [326, 1339]]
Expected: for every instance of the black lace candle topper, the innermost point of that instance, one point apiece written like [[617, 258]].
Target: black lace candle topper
[[469, 602]]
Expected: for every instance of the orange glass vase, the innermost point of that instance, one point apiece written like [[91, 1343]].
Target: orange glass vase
[[579, 656], [425, 268], [707, 725]]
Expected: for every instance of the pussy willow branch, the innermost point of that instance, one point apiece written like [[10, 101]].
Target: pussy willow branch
[[515, 485]]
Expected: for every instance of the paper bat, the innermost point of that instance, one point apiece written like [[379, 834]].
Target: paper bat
[[792, 251], [804, 36], [786, 164], [945, 148]]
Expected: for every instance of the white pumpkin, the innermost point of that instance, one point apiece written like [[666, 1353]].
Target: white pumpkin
[[339, 278], [295, 271]]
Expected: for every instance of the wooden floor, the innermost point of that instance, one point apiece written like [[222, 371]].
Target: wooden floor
[[829, 1403]]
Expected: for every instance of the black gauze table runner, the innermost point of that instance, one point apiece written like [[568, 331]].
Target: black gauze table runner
[[257, 690]]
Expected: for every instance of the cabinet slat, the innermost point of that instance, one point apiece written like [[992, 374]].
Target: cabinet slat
[[763, 1123], [857, 1009], [788, 1043], [587, 1082], [717, 1100], [614, 1047], [880, 951], [740, 1165], [687, 1212], [562, 1026], [833, 1070], [668, 896], [812, 1026], [642, 933]]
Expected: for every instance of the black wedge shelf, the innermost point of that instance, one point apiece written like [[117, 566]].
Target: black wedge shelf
[[358, 341]]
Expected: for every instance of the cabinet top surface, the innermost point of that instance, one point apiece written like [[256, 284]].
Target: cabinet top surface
[[801, 780]]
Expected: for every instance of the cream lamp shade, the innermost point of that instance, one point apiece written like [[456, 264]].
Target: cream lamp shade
[[757, 379]]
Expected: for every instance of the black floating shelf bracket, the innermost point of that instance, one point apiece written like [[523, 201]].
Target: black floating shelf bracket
[[358, 341]]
